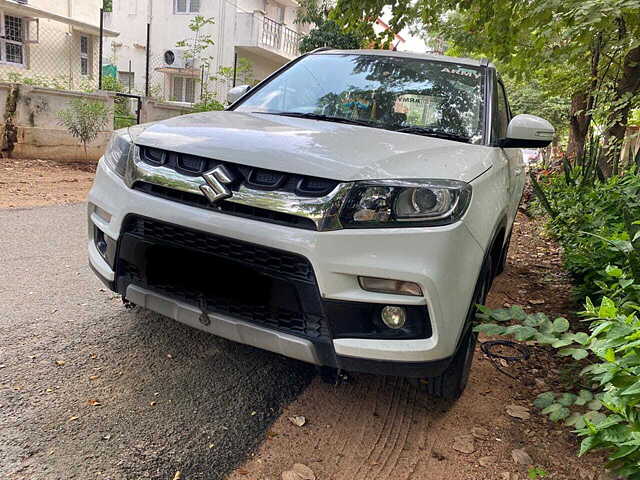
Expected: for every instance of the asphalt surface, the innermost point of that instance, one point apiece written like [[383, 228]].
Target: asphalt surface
[[89, 389]]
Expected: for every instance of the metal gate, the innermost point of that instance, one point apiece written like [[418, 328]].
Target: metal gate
[[127, 109]]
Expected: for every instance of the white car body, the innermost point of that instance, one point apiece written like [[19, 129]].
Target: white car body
[[445, 261]]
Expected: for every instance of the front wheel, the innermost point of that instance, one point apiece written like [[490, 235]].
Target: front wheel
[[452, 382]]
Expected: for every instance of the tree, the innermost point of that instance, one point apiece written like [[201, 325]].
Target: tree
[[327, 33], [84, 119], [197, 47], [586, 47]]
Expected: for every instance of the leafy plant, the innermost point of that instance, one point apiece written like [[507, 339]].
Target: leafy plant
[[605, 411], [207, 103], [536, 472], [84, 119]]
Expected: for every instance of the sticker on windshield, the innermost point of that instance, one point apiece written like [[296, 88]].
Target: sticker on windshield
[[466, 72]]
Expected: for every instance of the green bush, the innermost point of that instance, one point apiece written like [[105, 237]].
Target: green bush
[[597, 224]]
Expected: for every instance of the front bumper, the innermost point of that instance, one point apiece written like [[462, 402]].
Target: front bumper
[[444, 261]]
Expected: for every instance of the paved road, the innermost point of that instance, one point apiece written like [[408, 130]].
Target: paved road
[[91, 390]]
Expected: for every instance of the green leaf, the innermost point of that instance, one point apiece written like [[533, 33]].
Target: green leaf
[[576, 353], [594, 405], [587, 444], [521, 332], [561, 343], [517, 313], [610, 355], [501, 315], [607, 308], [560, 325], [575, 420], [544, 400], [556, 412], [613, 271], [581, 337], [632, 389], [567, 399], [489, 329], [584, 396], [623, 452]]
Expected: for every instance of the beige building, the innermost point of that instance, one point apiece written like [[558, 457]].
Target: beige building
[[260, 33], [51, 42]]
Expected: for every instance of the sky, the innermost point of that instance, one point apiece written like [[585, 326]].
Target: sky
[[413, 43]]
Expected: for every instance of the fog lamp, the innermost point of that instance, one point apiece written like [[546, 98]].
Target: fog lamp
[[393, 317], [385, 285]]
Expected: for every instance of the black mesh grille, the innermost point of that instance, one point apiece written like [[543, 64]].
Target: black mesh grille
[[258, 284], [285, 264]]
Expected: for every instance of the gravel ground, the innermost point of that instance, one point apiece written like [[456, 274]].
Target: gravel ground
[[91, 390]]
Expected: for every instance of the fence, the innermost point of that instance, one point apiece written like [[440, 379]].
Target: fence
[[43, 52]]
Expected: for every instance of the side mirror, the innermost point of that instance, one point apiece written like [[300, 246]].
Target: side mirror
[[528, 131], [236, 92]]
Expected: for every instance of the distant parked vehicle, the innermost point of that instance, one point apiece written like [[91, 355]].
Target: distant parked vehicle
[[349, 211], [531, 156]]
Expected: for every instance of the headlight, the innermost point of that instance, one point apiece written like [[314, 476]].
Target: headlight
[[117, 152], [397, 203]]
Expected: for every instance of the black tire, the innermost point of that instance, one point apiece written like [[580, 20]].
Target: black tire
[[452, 382], [503, 255]]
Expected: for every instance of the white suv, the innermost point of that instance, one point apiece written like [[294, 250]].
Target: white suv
[[349, 211]]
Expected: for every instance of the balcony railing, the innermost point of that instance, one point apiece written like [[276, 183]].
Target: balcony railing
[[253, 29], [278, 37]]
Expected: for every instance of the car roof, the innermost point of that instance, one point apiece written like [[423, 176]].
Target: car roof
[[421, 56]]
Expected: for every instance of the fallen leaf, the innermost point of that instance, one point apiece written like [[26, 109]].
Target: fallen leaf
[[536, 301], [72, 418], [210, 446], [518, 411], [298, 420], [303, 471], [521, 457], [177, 476], [94, 403], [60, 363], [242, 471], [153, 404], [290, 475], [480, 433], [464, 444], [486, 461], [169, 355], [253, 414], [94, 377]]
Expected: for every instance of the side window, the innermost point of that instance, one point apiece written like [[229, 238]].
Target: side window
[[501, 117]]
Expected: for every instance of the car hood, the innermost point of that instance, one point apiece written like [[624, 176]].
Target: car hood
[[315, 148]]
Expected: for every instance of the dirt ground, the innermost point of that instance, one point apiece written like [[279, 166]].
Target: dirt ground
[[33, 183], [381, 427]]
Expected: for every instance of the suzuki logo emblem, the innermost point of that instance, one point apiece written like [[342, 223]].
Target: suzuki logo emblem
[[216, 187]]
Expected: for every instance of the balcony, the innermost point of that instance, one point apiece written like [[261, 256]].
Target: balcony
[[263, 36]]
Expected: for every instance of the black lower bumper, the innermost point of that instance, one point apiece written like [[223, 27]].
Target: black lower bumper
[[259, 285]]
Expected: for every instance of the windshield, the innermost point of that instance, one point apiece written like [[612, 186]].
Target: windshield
[[415, 95]]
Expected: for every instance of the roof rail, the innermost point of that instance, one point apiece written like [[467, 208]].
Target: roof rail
[[320, 49], [484, 62]]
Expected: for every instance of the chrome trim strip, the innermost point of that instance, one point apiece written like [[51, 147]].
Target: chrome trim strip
[[323, 211], [224, 326]]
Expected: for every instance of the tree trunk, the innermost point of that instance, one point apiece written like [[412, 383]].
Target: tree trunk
[[628, 85], [581, 105], [579, 121]]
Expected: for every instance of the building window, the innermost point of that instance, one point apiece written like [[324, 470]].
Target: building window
[[127, 79], [13, 41], [184, 89], [186, 6], [84, 55]]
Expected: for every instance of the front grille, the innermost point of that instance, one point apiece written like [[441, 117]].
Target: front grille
[[261, 285], [250, 177], [231, 208]]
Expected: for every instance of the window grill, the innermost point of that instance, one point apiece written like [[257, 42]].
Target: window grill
[[14, 40]]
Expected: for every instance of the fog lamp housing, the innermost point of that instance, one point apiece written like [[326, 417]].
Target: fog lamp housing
[[385, 285], [393, 317]]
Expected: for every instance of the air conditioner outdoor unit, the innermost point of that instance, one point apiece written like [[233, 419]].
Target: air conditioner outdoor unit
[[175, 58]]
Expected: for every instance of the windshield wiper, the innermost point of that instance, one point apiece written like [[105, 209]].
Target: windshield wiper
[[324, 118], [430, 132]]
